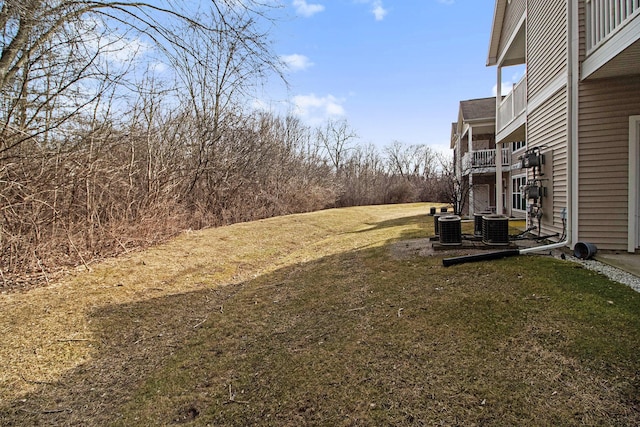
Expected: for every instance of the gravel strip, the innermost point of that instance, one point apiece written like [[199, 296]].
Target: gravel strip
[[611, 272]]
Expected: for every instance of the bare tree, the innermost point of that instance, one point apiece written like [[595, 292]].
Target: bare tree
[[452, 187], [336, 138], [216, 83], [411, 168], [49, 47], [410, 161], [84, 159]]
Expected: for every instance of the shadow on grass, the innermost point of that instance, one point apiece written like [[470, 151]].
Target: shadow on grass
[[361, 338], [419, 222]]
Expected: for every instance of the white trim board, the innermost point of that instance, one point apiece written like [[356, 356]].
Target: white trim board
[[620, 39], [559, 82], [634, 184]]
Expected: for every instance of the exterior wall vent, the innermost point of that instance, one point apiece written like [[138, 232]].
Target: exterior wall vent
[[450, 230], [495, 230]]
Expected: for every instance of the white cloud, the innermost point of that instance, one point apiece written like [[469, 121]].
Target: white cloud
[[378, 10], [118, 49], [296, 62], [305, 9], [506, 89], [315, 110], [508, 84], [157, 67]]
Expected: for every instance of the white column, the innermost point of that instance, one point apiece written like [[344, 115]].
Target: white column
[[470, 151], [498, 96], [499, 204]]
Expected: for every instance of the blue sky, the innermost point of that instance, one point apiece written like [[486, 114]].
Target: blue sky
[[395, 70]]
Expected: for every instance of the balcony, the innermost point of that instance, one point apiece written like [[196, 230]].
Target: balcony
[[483, 161], [612, 32], [605, 17], [512, 108]]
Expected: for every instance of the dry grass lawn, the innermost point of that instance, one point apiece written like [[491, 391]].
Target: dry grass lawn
[[332, 318]]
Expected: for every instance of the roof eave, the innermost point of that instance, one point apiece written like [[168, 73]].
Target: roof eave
[[481, 120], [496, 30]]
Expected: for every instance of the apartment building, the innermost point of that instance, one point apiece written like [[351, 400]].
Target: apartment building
[[578, 108], [473, 141]]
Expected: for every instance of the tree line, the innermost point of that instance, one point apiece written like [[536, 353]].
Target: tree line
[[100, 153]]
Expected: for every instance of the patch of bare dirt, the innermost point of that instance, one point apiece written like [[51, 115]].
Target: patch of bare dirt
[[410, 248], [425, 248]]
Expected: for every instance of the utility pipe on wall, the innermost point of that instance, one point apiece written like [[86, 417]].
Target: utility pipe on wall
[[487, 256]]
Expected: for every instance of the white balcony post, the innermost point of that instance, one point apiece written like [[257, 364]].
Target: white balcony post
[[513, 101], [603, 17], [498, 145], [499, 204], [498, 98], [458, 157], [470, 136]]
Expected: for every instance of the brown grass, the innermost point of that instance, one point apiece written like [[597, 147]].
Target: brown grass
[[320, 319]]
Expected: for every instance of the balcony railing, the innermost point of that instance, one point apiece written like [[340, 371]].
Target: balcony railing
[[605, 16], [513, 104], [484, 159]]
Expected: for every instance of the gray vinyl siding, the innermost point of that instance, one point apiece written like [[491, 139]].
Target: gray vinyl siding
[[546, 43], [514, 12], [547, 124], [603, 151], [547, 129], [582, 31]]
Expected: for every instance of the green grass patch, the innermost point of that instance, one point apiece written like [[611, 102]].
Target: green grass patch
[[347, 330]]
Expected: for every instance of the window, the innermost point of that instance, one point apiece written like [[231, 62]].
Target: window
[[519, 203], [518, 145]]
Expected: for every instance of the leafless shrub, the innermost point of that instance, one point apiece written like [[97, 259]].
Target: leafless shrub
[[98, 158]]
